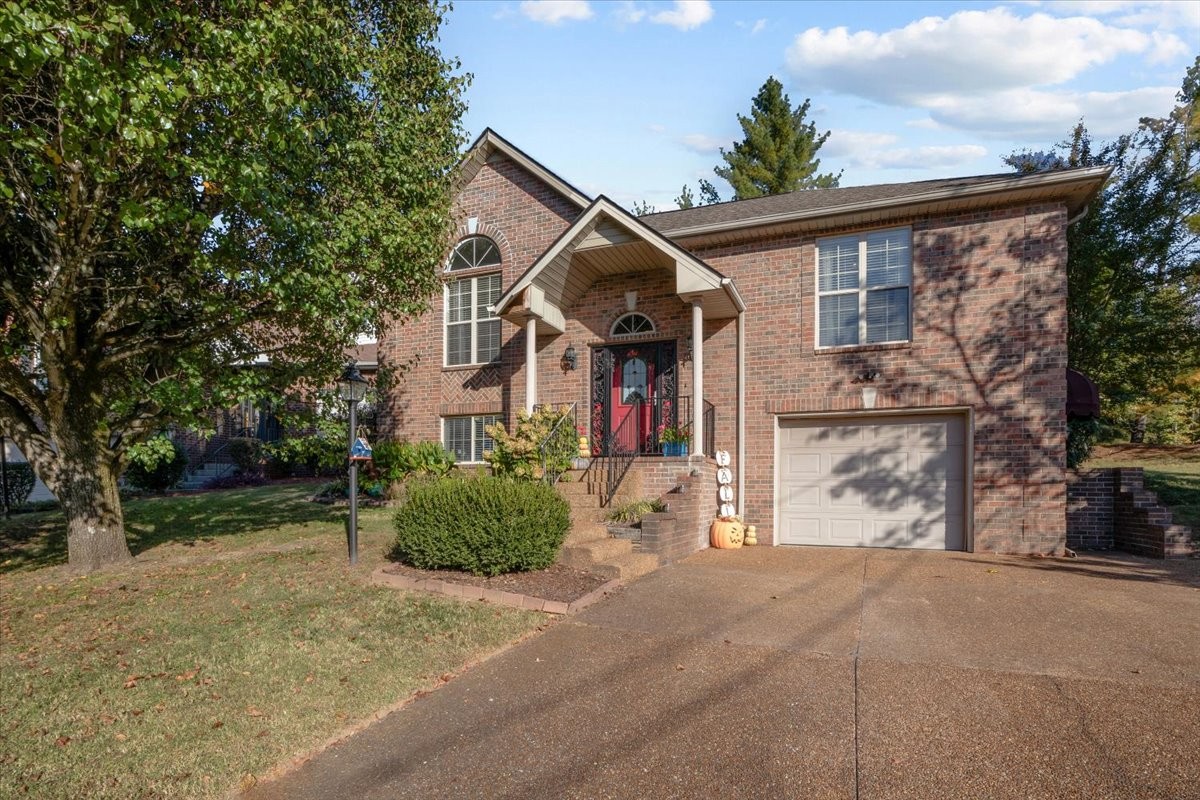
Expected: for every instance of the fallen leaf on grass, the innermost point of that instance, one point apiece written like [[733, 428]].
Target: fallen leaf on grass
[[218, 724], [120, 737], [62, 741], [130, 682], [187, 676], [253, 712]]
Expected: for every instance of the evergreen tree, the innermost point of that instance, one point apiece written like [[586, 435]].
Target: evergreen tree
[[779, 152]]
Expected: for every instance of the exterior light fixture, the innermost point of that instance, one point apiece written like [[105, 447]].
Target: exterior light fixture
[[570, 358], [352, 387]]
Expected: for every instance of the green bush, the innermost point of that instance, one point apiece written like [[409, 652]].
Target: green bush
[[396, 460], [631, 513], [19, 483], [1081, 436], [519, 454], [247, 454], [156, 464], [485, 525]]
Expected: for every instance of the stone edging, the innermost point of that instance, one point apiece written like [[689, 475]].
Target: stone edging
[[467, 592]]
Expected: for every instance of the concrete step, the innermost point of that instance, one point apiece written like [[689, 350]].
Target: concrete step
[[595, 552], [589, 532], [632, 565]]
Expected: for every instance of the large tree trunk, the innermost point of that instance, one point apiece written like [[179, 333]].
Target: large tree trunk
[[87, 490]]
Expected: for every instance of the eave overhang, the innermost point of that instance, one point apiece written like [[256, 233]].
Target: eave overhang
[[607, 240]]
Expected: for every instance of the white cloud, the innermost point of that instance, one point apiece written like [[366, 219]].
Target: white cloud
[[555, 12], [968, 52], [1161, 14], [628, 13], [755, 27], [875, 150], [685, 15], [702, 143], [655, 127], [1040, 114]]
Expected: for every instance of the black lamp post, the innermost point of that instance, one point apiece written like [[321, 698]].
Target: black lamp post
[[352, 387]]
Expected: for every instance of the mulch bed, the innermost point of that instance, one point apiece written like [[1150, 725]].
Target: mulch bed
[[556, 582]]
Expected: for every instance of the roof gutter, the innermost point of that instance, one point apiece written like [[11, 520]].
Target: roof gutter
[[1042, 180]]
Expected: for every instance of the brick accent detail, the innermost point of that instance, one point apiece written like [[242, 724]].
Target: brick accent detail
[[1090, 509], [691, 499], [1111, 508]]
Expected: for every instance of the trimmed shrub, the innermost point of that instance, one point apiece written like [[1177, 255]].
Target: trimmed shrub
[[156, 464], [486, 525], [19, 483]]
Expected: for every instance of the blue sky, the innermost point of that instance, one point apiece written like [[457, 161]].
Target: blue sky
[[633, 99]]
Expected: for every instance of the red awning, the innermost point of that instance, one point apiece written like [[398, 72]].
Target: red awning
[[1083, 398]]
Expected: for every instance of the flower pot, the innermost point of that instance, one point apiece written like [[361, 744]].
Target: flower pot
[[675, 449]]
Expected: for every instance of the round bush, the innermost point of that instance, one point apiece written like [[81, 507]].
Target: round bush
[[19, 483], [485, 525], [157, 465]]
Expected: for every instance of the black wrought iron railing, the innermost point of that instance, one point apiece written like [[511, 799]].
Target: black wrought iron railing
[[621, 447]]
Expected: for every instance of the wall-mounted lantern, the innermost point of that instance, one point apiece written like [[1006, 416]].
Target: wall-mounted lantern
[[570, 358]]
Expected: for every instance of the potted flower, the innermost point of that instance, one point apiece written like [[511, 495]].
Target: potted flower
[[674, 439], [727, 532]]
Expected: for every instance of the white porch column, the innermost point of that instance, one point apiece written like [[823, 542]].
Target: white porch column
[[697, 378], [530, 364]]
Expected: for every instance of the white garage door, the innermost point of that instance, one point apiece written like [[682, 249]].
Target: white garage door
[[887, 482]]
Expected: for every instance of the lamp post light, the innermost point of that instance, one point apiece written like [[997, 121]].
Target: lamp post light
[[352, 387]]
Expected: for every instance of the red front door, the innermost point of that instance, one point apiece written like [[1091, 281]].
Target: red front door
[[632, 388]]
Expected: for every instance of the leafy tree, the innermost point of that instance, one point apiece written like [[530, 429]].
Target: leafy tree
[[186, 187], [1134, 266], [641, 208], [779, 153], [708, 196], [685, 199]]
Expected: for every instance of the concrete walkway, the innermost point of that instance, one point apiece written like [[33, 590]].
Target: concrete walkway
[[814, 673]]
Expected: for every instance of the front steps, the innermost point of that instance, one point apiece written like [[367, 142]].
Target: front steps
[[589, 545], [196, 480]]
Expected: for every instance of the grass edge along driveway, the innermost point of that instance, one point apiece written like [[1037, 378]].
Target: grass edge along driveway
[[237, 640]]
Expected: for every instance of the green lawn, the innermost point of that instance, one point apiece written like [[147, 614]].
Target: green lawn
[[237, 639], [1173, 473]]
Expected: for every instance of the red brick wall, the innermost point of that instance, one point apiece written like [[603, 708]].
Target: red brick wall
[[524, 216], [989, 335], [1090, 508]]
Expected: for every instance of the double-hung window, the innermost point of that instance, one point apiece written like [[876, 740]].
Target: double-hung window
[[466, 438], [472, 330], [864, 288]]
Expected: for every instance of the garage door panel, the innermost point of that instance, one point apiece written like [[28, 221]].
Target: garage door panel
[[845, 531], [886, 483]]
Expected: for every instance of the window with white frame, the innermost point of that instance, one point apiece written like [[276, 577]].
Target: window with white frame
[[472, 330], [632, 324], [466, 438], [864, 286]]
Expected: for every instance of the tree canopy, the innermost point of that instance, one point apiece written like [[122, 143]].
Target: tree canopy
[[1134, 264], [201, 201], [779, 151]]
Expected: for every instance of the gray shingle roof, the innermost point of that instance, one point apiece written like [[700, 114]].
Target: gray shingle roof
[[807, 200]]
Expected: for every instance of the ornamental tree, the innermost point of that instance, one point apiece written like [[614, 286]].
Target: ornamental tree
[[200, 201]]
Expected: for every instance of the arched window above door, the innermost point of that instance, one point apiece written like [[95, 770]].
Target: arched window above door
[[632, 324]]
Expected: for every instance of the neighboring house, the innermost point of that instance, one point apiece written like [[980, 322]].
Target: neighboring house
[[886, 364], [13, 455]]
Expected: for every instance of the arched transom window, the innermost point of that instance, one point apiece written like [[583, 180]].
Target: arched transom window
[[631, 324], [474, 252], [472, 330]]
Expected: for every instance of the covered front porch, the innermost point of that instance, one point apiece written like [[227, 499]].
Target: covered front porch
[[615, 317]]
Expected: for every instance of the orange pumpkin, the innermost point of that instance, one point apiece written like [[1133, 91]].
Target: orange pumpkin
[[726, 535]]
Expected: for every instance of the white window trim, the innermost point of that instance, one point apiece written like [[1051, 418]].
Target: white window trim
[[861, 291], [612, 331], [472, 417], [473, 322]]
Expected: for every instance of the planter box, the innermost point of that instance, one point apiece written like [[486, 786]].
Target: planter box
[[675, 449]]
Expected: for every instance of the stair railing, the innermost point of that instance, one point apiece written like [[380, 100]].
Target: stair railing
[[622, 447]]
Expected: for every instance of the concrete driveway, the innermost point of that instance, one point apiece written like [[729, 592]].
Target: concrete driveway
[[814, 673]]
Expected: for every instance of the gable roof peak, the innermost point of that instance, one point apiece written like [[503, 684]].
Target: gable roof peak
[[489, 142]]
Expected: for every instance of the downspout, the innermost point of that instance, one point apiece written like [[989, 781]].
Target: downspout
[[741, 413]]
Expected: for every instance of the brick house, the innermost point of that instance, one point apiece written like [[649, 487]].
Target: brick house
[[884, 364]]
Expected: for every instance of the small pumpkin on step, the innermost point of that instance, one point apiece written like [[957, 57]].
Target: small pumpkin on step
[[727, 532]]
